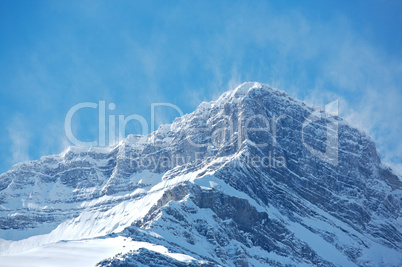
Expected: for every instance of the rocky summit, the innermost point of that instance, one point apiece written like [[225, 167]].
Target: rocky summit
[[255, 178]]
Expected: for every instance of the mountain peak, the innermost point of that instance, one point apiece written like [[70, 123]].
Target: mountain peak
[[253, 91], [245, 87], [242, 91]]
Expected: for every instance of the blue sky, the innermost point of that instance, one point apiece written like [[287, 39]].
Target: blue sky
[[55, 54]]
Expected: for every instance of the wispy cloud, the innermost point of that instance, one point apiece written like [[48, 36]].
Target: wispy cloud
[[19, 136]]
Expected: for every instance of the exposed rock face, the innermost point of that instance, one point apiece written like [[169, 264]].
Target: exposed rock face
[[242, 181]]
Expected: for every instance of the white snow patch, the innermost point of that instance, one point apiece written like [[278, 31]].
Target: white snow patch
[[87, 252]]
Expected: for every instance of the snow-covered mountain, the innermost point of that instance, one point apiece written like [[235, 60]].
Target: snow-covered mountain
[[245, 180]]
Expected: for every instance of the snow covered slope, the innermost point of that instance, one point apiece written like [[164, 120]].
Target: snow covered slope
[[238, 182]]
